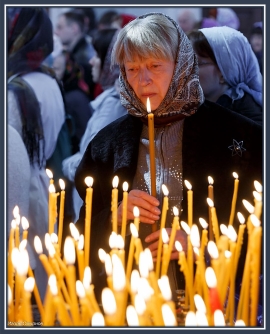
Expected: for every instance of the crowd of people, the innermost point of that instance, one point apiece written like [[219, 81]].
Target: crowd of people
[[205, 88]]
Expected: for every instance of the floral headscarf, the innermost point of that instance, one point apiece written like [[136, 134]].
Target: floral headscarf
[[184, 94]]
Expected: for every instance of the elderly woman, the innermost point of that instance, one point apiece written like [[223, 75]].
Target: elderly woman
[[228, 70], [193, 139]]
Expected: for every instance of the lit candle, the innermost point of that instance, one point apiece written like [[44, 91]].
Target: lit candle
[[114, 203], [52, 207], [151, 135], [27, 310], [50, 175], [165, 258], [234, 199], [239, 238], [88, 213], [80, 256], [124, 211], [17, 228], [49, 309], [109, 306], [61, 212], [43, 258], [85, 316], [214, 219], [214, 253], [211, 281], [258, 204], [98, 320], [131, 248], [211, 196], [152, 278], [132, 316], [60, 307], [25, 226], [166, 292], [89, 289], [190, 203], [204, 238], [36, 294], [137, 242], [227, 270], [165, 208], [10, 248]]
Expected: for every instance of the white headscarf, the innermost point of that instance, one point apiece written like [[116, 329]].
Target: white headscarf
[[236, 61]]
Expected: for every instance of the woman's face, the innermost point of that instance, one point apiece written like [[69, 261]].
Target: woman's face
[[210, 76], [96, 67], [149, 78]]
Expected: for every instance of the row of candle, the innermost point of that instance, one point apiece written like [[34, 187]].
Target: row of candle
[[192, 286]]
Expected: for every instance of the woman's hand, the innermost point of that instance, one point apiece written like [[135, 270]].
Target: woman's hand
[[147, 204], [153, 238]]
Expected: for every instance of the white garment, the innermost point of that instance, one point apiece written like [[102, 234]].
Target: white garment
[[53, 115]]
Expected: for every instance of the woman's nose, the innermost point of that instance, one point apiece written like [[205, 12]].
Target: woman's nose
[[144, 76]]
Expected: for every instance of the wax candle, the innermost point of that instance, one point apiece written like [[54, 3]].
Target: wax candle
[[85, 317], [165, 208], [190, 203], [114, 205], [25, 226], [80, 256], [226, 277], [88, 213], [213, 293], [152, 278], [239, 238], [109, 306], [214, 219], [10, 248], [49, 309], [50, 175], [211, 196], [258, 204], [27, 310], [59, 305], [165, 255], [51, 208], [43, 258], [124, 210], [130, 257], [89, 289], [36, 294], [61, 212], [204, 238], [234, 199], [137, 242], [17, 230]]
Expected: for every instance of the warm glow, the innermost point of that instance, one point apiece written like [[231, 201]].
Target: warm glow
[[89, 181], [62, 184], [255, 221], [165, 237], [190, 319], [185, 227], [69, 251], [232, 235], [168, 316], [178, 246], [248, 206], [148, 106], [175, 211], [29, 284], [210, 180], [149, 259], [80, 289], [23, 263], [203, 223], [139, 304], [22, 245], [38, 245], [235, 175], [108, 301], [219, 318], [15, 253], [210, 202], [227, 254], [15, 211], [195, 236], [53, 284], [13, 224], [196, 251], [212, 249], [9, 295], [54, 238], [125, 186], [120, 244], [257, 196], [201, 319], [81, 242], [108, 265], [144, 289], [239, 323], [165, 289], [118, 273], [258, 186], [87, 277], [25, 223], [210, 277], [143, 267], [223, 229], [199, 303], [136, 211], [134, 280], [188, 185], [98, 319], [49, 173], [133, 230], [51, 250], [74, 231], [165, 190], [51, 188], [112, 240], [101, 255], [115, 181], [132, 316]]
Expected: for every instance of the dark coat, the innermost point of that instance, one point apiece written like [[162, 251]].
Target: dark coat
[[207, 136]]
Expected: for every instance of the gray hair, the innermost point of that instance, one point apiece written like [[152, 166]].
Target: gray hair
[[147, 36]]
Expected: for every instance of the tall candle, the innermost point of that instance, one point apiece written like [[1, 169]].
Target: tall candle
[[27, 310], [114, 203], [165, 208], [214, 219], [88, 213], [257, 204], [190, 203], [234, 199], [61, 212], [10, 247], [89, 289], [211, 281], [80, 256], [131, 251], [50, 175], [124, 212], [165, 255], [239, 238], [51, 208], [211, 196], [25, 226]]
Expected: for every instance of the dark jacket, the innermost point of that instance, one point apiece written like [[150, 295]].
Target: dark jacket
[[207, 136]]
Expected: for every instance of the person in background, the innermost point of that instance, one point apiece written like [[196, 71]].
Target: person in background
[[187, 19], [256, 41], [225, 16], [36, 110], [229, 75], [193, 139], [70, 29]]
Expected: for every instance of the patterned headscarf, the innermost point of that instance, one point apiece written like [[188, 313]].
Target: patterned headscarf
[[184, 94], [236, 61]]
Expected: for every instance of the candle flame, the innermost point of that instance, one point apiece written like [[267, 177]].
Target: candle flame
[[255, 220], [13, 224], [29, 284], [210, 180], [168, 316], [115, 181], [48, 241], [241, 218], [212, 249], [188, 185], [149, 259], [112, 240], [69, 251], [125, 186], [51, 188], [190, 319], [74, 231], [62, 184], [98, 319], [219, 318], [118, 274], [108, 301], [22, 245], [227, 254], [165, 190], [16, 211], [185, 227], [87, 277], [81, 242], [89, 181], [148, 106], [139, 304], [210, 277], [54, 238], [143, 268], [199, 303], [235, 175], [165, 237], [201, 319], [108, 265], [239, 323], [23, 263], [203, 223], [38, 245], [164, 287], [51, 251], [248, 206], [258, 186], [120, 244], [49, 173], [15, 256], [134, 230], [144, 289], [178, 246], [196, 251], [101, 255], [232, 235], [195, 236], [136, 211], [80, 289], [223, 229], [257, 196], [53, 284], [210, 202], [134, 280], [132, 316], [175, 211]]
